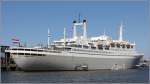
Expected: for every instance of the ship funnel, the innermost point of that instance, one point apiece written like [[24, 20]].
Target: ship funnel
[[79, 25], [84, 29], [74, 29]]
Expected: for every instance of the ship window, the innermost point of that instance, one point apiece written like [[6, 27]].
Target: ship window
[[14, 49], [34, 54], [33, 50], [128, 46], [84, 46], [93, 47], [17, 49], [118, 45], [100, 47], [40, 50], [14, 53], [131, 46], [123, 46], [41, 55], [27, 49], [112, 45], [73, 45], [27, 53], [67, 48], [79, 46], [72, 42], [90, 44], [107, 48], [20, 53]]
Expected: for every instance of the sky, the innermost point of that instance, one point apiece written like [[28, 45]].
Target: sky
[[29, 20]]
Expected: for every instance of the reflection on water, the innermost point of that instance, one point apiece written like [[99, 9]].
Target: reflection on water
[[102, 76]]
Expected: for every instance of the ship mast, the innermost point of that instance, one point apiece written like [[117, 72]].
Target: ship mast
[[120, 32], [48, 39], [64, 37]]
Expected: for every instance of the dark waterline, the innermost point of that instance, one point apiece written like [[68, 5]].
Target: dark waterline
[[98, 76]]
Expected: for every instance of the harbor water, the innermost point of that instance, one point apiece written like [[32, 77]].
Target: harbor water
[[97, 76]]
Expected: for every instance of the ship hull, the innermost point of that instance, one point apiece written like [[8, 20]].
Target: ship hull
[[75, 62]]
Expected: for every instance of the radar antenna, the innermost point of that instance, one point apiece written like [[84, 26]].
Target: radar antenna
[[79, 17]]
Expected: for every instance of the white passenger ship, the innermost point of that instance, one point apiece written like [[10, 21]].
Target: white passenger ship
[[78, 53]]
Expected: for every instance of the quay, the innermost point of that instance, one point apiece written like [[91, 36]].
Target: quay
[[7, 62]]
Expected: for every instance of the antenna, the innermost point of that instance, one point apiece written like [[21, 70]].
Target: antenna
[[48, 39]]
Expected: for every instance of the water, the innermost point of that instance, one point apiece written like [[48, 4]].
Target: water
[[98, 76]]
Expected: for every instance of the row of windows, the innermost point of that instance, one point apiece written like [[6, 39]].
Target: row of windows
[[118, 46], [29, 50], [28, 54], [84, 50], [123, 46], [93, 47], [102, 46], [83, 46]]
